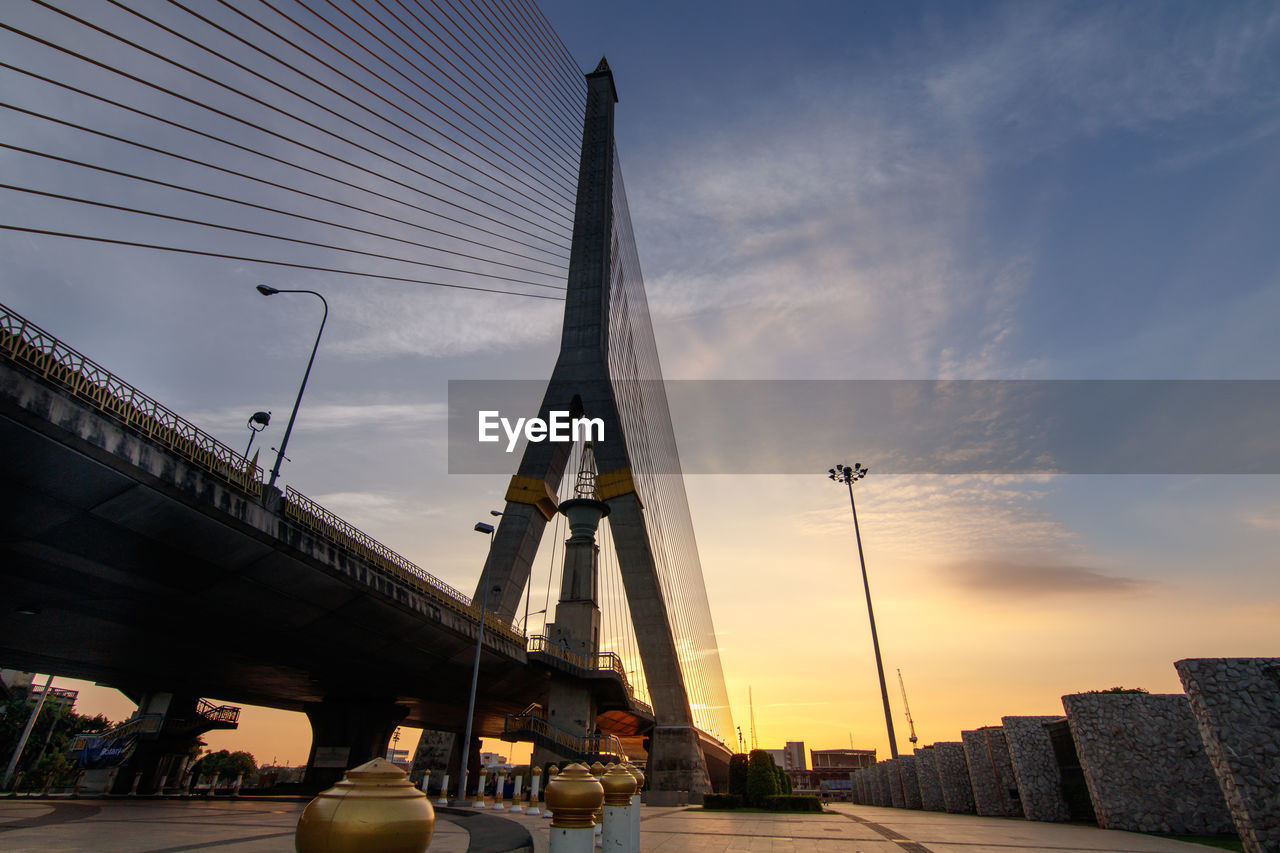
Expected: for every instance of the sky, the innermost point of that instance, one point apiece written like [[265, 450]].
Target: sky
[[886, 191]]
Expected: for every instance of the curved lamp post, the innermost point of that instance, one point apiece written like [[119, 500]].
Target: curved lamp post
[[481, 527], [848, 476], [266, 290]]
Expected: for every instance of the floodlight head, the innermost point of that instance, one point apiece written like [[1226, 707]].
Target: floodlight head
[[482, 527], [857, 465], [494, 513], [267, 290], [261, 418]]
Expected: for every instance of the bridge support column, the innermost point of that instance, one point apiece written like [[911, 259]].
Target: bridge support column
[[346, 733], [676, 765]]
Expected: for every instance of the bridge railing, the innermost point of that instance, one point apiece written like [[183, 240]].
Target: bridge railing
[[600, 662], [25, 343], [591, 745], [317, 519]]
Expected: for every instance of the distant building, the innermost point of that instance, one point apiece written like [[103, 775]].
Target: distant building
[[790, 757], [492, 759], [829, 778], [844, 760], [398, 756]]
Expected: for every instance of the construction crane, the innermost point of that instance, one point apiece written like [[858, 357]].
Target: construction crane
[[910, 722]]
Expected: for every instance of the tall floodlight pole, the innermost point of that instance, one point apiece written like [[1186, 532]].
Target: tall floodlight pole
[[481, 527], [26, 733], [266, 290], [845, 474]]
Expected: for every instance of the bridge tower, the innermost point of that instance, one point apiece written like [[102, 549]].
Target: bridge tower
[[604, 305]]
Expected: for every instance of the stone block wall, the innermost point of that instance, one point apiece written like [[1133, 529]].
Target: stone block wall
[[991, 773], [927, 776], [910, 784], [1145, 763], [883, 796], [1236, 704], [895, 784], [1035, 767], [953, 776]]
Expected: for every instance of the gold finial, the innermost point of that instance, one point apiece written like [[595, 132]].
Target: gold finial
[[374, 807], [618, 786], [573, 796]]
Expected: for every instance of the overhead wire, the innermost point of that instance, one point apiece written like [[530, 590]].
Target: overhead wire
[[388, 83], [212, 254], [263, 155], [281, 136], [255, 233]]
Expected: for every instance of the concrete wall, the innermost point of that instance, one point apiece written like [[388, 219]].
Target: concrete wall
[[1145, 763], [895, 784], [910, 784], [991, 773], [927, 776], [953, 776], [1035, 767], [1236, 704]]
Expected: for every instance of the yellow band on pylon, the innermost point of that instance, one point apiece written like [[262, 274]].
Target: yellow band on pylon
[[614, 483], [535, 492]]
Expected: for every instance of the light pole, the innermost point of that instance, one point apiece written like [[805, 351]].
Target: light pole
[[845, 474], [266, 290], [481, 527], [257, 422]]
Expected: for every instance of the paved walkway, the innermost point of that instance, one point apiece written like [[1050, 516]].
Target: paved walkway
[[258, 826]]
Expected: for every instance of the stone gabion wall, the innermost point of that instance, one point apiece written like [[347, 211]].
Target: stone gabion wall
[[895, 784], [991, 773], [1145, 763], [927, 775], [910, 784], [883, 796], [857, 787], [1236, 704], [953, 777], [1035, 767]]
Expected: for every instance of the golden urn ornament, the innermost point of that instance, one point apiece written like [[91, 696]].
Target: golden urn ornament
[[618, 786], [374, 807], [573, 797]]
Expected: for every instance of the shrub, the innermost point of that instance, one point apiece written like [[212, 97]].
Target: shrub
[[721, 802], [762, 779], [786, 803], [738, 775]]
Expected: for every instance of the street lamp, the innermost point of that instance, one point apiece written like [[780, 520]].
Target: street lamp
[[481, 527], [848, 476], [267, 290], [257, 422]]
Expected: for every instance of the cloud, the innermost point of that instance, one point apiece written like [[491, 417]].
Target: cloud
[[1037, 579]]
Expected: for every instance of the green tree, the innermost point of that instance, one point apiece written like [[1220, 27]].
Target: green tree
[[45, 754], [226, 764], [738, 774], [762, 777]]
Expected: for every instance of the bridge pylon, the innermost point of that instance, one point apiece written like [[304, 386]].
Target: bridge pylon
[[596, 376]]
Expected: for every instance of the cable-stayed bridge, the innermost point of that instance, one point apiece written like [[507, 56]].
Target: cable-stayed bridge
[[435, 145]]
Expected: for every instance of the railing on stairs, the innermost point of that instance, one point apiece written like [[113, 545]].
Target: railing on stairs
[[595, 746]]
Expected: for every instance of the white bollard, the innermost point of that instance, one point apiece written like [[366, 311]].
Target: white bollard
[[111, 780], [618, 785], [635, 806], [444, 792], [500, 789], [213, 786], [515, 796], [235, 791], [137, 780], [573, 795], [75, 794], [597, 770], [533, 792], [479, 803]]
